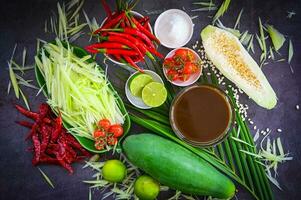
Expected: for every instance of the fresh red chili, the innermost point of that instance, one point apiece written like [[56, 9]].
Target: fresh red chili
[[124, 41], [133, 31], [133, 64], [110, 23], [106, 8], [144, 30], [141, 46], [118, 51], [110, 45]]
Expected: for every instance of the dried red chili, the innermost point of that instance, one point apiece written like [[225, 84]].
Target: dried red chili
[[51, 142]]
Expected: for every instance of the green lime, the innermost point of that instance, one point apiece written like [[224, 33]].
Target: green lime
[[154, 94], [146, 188], [137, 83], [114, 171]]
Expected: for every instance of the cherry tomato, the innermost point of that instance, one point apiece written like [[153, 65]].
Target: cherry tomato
[[111, 140], [105, 124], [99, 134], [184, 54], [99, 144], [168, 63], [116, 130], [171, 74], [188, 68]]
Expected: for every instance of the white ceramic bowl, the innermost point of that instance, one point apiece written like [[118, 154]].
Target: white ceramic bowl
[[185, 16], [136, 101], [193, 77], [135, 14]]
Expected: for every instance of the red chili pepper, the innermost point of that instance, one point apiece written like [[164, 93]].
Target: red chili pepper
[[135, 32], [46, 134], [122, 24], [106, 8], [155, 52], [144, 30], [127, 21], [58, 129], [27, 113], [143, 20], [25, 124], [146, 25], [37, 148], [118, 51], [63, 150], [110, 45], [110, 23], [135, 41], [133, 64], [124, 41]]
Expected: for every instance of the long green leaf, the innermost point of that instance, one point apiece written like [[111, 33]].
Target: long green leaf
[[221, 11], [47, 179]]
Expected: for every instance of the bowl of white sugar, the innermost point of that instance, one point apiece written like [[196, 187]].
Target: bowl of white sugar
[[174, 28]]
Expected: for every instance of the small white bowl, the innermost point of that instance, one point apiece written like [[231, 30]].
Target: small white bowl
[[193, 77], [137, 101], [111, 59], [169, 12]]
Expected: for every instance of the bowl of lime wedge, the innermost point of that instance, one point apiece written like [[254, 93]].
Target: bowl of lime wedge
[[145, 90]]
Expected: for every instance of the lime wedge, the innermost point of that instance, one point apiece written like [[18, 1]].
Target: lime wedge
[[154, 94], [138, 82]]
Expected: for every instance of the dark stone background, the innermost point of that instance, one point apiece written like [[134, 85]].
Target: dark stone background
[[23, 21]]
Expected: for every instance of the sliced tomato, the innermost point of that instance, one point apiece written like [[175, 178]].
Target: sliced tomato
[[171, 73], [169, 63], [185, 55], [190, 68]]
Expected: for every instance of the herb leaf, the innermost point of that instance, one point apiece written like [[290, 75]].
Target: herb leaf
[[221, 11], [47, 179]]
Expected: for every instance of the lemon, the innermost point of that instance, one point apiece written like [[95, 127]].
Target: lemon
[[154, 94], [114, 171], [146, 188]]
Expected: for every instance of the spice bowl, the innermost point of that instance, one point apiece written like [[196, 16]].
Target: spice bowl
[[174, 28], [192, 78], [136, 15]]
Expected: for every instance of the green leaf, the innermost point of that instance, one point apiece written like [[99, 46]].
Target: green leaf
[[221, 11], [47, 179], [290, 51], [238, 19], [24, 99], [277, 38], [13, 81]]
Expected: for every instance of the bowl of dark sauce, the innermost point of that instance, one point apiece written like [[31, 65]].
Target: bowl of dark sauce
[[202, 115]]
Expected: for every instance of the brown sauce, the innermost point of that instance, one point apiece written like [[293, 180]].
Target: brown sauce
[[202, 113]]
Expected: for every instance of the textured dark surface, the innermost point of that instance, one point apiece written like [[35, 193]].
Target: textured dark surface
[[23, 21]]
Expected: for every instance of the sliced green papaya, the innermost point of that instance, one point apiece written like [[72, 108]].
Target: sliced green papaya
[[236, 64]]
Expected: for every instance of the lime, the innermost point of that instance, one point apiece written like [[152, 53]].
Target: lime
[[114, 171], [138, 82], [154, 94], [146, 188]]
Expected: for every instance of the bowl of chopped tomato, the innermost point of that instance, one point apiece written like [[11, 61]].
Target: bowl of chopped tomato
[[182, 66]]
